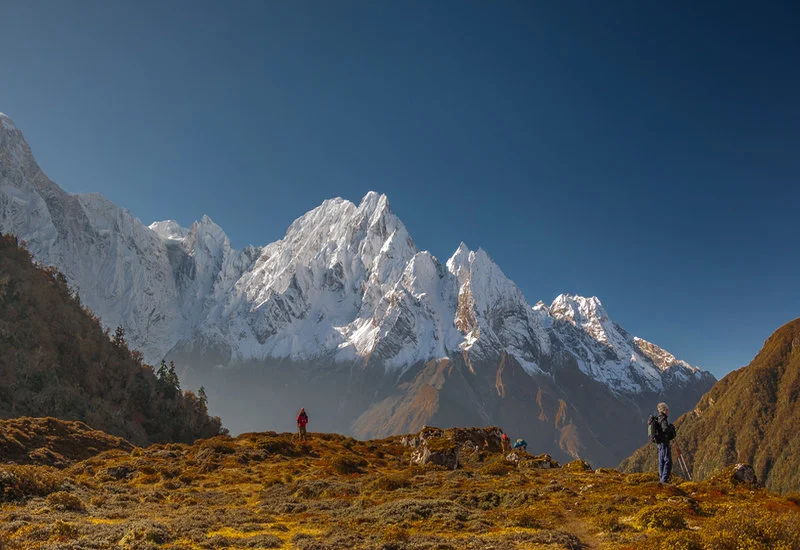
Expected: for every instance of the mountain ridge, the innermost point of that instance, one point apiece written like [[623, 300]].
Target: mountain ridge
[[345, 289]]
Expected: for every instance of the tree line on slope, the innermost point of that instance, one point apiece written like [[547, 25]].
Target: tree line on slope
[[56, 360]]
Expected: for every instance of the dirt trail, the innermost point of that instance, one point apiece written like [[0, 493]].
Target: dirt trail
[[577, 526]]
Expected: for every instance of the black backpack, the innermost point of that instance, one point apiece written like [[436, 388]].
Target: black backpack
[[654, 432]]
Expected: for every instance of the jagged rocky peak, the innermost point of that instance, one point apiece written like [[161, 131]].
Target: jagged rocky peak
[[483, 279], [661, 358], [6, 123], [421, 273], [459, 262], [13, 143], [345, 280], [588, 315], [487, 277], [169, 230], [208, 235], [578, 310], [368, 237]]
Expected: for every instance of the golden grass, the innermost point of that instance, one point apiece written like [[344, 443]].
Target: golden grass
[[268, 491]]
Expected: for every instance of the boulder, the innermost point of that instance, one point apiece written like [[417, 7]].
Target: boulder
[[542, 461], [521, 459], [446, 458], [744, 474], [443, 447], [516, 456], [578, 465]]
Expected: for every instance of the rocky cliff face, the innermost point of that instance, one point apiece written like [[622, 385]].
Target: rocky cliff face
[[347, 299]]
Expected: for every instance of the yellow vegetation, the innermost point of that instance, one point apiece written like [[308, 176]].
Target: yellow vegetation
[[268, 491]]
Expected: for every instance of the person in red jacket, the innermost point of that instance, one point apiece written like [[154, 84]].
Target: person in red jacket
[[302, 420], [506, 443]]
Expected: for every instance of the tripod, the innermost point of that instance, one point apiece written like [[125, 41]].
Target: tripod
[[681, 461]]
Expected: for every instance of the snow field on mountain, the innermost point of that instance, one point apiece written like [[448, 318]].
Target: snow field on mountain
[[345, 282]]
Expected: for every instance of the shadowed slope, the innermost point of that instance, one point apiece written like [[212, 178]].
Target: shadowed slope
[[57, 361], [752, 416], [53, 442]]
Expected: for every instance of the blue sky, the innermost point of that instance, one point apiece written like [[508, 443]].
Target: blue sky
[[646, 153]]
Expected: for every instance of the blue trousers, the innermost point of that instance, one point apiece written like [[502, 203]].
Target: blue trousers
[[664, 461]]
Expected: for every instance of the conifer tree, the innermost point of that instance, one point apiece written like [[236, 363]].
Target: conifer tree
[[119, 338], [172, 381], [162, 371]]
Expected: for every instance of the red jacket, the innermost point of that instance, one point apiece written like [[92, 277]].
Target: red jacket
[[302, 419]]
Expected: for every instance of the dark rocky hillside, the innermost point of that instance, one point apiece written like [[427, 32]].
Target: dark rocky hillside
[[56, 360], [752, 416]]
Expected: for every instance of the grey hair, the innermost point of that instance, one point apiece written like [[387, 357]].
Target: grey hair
[[662, 407]]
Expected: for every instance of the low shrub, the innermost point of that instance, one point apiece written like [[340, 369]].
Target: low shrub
[[61, 529], [393, 533], [414, 509], [390, 482], [261, 541], [61, 500], [485, 500], [19, 482], [609, 522], [348, 465], [660, 516], [222, 447], [527, 519], [793, 497], [497, 467], [144, 531], [752, 527], [638, 479], [441, 445], [555, 538], [681, 540], [578, 466]]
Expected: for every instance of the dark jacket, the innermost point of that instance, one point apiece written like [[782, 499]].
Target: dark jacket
[[667, 429]]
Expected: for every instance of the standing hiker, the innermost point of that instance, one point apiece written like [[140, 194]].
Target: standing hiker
[[302, 420], [506, 443], [662, 433]]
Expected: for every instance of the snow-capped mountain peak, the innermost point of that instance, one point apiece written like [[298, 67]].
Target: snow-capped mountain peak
[[13, 144], [460, 261], [346, 281], [586, 314], [169, 230], [6, 123], [578, 310], [207, 235]]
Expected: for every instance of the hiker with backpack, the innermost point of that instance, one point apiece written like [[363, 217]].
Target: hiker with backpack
[[521, 444], [662, 432], [302, 420]]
